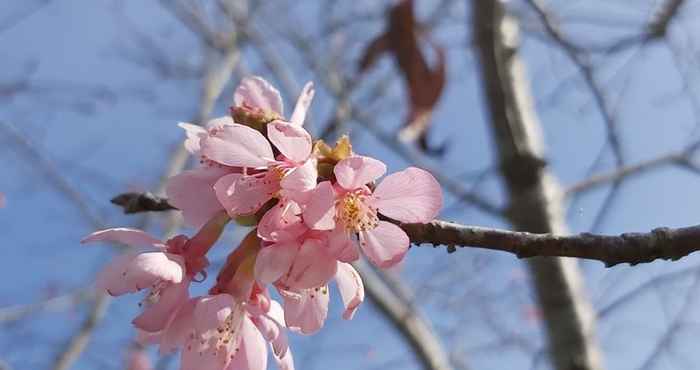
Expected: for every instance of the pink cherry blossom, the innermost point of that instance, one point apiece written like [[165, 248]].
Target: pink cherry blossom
[[160, 269], [192, 191], [195, 133], [218, 332], [136, 270], [222, 330], [257, 96], [351, 289], [305, 310], [308, 235], [166, 269], [411, 195], [273, 328], [292, 254], [291, 175]]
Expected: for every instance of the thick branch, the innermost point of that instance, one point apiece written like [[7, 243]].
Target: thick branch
[[633, 248]]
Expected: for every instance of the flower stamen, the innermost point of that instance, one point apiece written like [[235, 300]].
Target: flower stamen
[[355, 212]]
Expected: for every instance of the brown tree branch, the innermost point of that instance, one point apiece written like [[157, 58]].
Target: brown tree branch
[[633, 248]]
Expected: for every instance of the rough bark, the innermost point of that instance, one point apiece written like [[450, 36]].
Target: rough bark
[[535, 196], [633, 247]]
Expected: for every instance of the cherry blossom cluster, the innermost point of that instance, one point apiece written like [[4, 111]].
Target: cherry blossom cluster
[[314, 208]]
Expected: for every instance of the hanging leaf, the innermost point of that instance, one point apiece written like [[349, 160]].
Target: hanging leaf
[[424, 84]]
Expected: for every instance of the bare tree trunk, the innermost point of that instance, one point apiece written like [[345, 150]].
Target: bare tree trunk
[[535, 196]]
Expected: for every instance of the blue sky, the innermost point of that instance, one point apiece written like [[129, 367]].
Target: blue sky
[[106, 124]]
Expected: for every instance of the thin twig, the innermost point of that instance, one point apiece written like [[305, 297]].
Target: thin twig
[[586, 69], [682, 158], [59, 303]]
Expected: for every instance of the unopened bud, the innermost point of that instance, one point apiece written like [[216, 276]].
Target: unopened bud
[[253, 117]]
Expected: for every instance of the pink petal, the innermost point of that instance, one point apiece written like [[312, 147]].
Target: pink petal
[[302, 178], [303, 104], [156, 317], [194, 135], [305, 311], [267, 327], [255, 92], [259, 302], [204, 350], [218, 123], [286, 362], [291, 140], [411, 195], [203, 355], [147, 268], [278, 340], [354, 172], [238, 146], [274, 261], [341, 246], [384, 245], [276, 313], [223, 189], [124, 235], [351, 288], [179, 329], [212, 311], [111, 278], [193, 193], [2, 200], [244, 195], [272, 327], [312, 267], [319, 212], [281, 223], [252, 353]]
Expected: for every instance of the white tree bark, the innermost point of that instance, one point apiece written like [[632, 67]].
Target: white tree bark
[[535, 196]]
